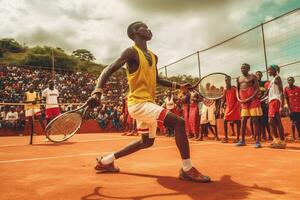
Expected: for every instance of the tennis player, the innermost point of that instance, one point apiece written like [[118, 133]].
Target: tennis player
[[141, 65]]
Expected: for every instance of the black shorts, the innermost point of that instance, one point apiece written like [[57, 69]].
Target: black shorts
[[295, 116]]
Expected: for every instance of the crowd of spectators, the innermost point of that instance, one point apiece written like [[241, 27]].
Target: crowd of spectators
[[74, 87]]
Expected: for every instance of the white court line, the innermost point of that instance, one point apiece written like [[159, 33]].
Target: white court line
[[192, 143], [85, 154], [50, 143], [82, 141]]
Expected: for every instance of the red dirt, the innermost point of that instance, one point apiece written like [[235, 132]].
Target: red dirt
[[65, 171]]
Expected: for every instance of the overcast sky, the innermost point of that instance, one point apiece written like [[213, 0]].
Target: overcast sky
[[180, 27]]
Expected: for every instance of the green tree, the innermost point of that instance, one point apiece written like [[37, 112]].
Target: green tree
[[83, 55], [10, 45]]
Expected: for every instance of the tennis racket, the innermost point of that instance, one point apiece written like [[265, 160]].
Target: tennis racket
[[262, 98], [211, 86], [64, 126]]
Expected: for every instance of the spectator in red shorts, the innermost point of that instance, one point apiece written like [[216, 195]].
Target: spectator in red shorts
[[50, 96], [275, 107], [194, 117], [292, 95]]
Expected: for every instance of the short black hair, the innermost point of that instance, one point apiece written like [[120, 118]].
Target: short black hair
[[258, 72], [247, 65], [132, 28]]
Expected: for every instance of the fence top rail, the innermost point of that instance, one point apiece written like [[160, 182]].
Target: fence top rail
[[233, 37]]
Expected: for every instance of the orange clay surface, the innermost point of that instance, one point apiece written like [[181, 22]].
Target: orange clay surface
[[65, 171]]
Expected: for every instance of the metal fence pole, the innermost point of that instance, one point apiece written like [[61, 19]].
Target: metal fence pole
[[166, 72], [264, 47], [199, 67]]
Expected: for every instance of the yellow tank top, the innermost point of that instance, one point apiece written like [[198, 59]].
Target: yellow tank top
[[31, 97], [142, 83]]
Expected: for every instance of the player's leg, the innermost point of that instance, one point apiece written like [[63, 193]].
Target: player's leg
[[252, 128], [225, 140], [232, 128], [146, 115], [298, 128], [144, 142], [293, 124], [238, 124], [106, 164], [214, 130], [276, 125], [257, 131], [242, 142], [279, 125], [273, 127], [28, 121], [39, 117], [297, 123], [187, 172], [245, 114], [202, 131], [262, 128], [49, 117], [28, 124]]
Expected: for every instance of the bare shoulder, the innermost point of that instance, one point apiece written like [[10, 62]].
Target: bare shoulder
[[252, 76], [129, 54], [240, 78]]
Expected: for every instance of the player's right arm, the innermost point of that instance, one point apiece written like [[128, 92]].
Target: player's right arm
[[127, 56]]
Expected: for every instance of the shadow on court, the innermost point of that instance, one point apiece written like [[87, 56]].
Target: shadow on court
[[225, 189]]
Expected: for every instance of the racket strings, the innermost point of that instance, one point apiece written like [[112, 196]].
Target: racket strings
[[212, 86], [65, 125]]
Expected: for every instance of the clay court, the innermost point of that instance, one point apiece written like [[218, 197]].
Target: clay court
[[65, 171]]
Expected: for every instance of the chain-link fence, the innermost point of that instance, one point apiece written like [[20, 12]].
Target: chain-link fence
[[276, 41]]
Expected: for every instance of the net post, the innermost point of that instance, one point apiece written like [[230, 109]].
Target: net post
[[166, 72], [31, 130]]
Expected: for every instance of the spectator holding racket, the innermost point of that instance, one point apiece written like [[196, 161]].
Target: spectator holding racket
[[141, 65]]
